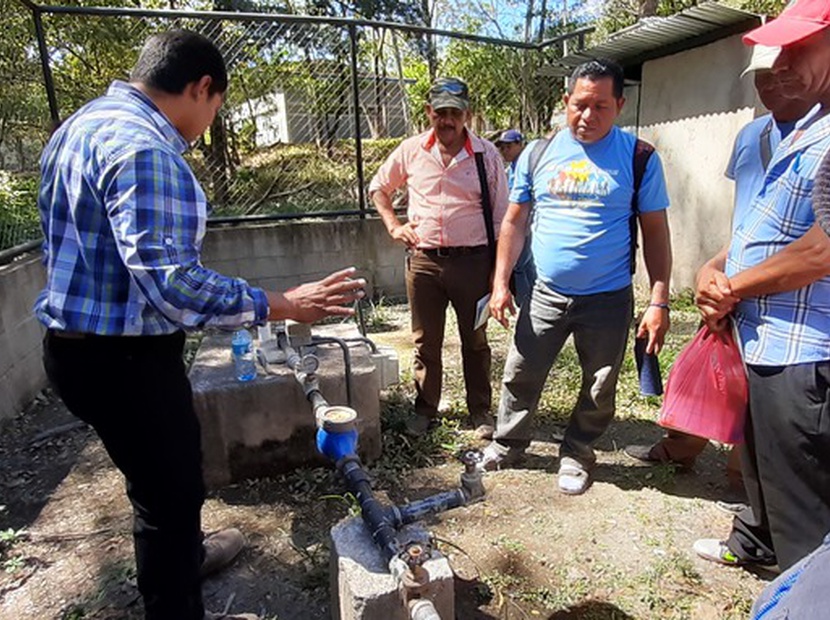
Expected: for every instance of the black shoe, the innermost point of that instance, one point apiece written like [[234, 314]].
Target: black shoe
[[420, 424], [641, 453]]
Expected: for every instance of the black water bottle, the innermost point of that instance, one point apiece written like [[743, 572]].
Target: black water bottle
[[648, 369]]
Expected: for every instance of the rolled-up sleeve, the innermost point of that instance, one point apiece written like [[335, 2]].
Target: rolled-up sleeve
[[392, 173], [156, 211]]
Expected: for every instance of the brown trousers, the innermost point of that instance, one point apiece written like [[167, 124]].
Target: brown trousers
[[683, 449], [433, 282]]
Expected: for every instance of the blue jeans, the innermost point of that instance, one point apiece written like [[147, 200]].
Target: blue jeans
[[599, 324]]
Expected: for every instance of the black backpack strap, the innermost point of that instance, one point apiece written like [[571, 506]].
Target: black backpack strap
[[766, 144], [642, 153], [539, 148], [486, 205]]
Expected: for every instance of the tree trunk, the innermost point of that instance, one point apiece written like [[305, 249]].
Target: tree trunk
[[648, 8]]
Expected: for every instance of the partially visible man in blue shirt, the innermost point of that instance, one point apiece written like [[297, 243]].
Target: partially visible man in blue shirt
[[123, 221], [511, 143], [776, 279], [751, 154]]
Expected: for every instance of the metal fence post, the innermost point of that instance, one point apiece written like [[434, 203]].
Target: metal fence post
[[47, 70], [358, 139]]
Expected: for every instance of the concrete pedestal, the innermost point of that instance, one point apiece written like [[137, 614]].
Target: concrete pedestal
[[266, 426], [363, 589]]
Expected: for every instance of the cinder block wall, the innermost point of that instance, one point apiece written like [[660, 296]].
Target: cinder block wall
[[21, 367], [279, 256], [275, 256]]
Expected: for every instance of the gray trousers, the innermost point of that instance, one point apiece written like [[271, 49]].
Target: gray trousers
[[599, 324]]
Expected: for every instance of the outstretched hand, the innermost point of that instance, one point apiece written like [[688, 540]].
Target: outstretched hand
[[313, 301]]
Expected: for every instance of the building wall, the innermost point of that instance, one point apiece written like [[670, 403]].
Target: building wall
[[21, 368], [692, 105]]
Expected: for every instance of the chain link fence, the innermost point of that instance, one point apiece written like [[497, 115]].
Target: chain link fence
[[313, 108]]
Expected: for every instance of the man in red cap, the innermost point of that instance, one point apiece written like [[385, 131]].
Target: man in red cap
[[776, 286]]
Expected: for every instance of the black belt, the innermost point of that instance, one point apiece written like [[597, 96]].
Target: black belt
[[459, 250]]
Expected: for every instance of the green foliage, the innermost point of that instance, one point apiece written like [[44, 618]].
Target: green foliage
[[19, 220]]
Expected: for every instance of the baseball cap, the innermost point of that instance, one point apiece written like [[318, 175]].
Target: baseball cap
[[509, 136], [449, 92], [762, 59], [797, 21]]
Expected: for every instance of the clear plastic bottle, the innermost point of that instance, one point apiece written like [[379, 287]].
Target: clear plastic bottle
[[242, 347]]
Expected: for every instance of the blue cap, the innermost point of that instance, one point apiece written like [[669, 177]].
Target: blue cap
[[510, 135]]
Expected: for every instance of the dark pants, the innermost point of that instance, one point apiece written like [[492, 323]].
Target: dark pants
[[135, 393], [786, 464], [433, 282]]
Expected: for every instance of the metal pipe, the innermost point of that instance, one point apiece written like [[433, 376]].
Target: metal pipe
[[358, 141], [297, 19], [7, 256], [46, 68], [347, 360], [372, 346]]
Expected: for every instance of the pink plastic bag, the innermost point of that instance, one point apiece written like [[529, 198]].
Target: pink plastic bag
[[706, 392]]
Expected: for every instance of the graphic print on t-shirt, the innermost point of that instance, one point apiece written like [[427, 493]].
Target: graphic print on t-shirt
[[579, 180]]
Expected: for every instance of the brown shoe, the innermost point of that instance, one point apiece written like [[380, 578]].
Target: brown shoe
[[212, 616], [221, 548]]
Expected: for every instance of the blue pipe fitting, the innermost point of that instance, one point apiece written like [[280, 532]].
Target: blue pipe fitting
[[337, 432], [334, 445]]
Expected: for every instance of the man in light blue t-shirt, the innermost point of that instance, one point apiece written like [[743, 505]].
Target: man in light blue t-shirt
[[581, 197]]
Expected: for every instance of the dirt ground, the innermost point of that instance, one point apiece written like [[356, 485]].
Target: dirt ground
[[621, 551]]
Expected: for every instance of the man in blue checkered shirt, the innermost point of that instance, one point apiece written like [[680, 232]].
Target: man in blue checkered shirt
[[775, 280], [123, 220]]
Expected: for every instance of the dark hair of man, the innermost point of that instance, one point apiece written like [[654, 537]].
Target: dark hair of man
[[171, 60], [596, 70]]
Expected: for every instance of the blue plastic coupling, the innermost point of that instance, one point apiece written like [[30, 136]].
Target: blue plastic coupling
[[337, 433]]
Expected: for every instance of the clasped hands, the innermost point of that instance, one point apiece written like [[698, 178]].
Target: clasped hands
[[714, 298]]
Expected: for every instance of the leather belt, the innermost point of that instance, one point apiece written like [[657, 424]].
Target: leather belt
[[69, 335], [450, 251]]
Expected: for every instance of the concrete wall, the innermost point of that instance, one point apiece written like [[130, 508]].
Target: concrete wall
[[275, 256], [692, 105], [279, 256], [21, 368]]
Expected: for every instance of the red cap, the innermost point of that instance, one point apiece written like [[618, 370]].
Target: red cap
[[798, 21]]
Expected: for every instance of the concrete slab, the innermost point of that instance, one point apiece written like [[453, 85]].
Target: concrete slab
[[266, 426], [363, 589]]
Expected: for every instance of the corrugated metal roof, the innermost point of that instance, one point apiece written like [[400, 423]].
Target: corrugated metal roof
[[653, 37]]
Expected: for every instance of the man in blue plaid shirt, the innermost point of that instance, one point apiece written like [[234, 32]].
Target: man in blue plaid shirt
[[775, 280], [123, 220]]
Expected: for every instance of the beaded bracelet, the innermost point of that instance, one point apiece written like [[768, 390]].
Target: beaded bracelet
[[664, 306]]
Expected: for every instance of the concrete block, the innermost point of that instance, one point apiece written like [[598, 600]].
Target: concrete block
[[266, 426], [386, 360], [363, 589]]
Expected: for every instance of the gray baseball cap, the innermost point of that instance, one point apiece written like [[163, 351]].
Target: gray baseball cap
[[449, 92]]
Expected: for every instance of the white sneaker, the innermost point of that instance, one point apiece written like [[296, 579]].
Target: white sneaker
[[716, 550], [574, 479]]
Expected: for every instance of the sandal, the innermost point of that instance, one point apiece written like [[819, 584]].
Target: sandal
[[574, 479]]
